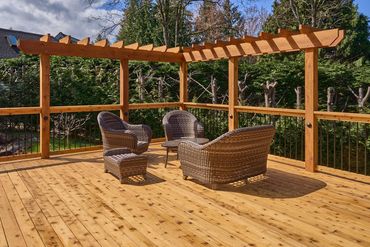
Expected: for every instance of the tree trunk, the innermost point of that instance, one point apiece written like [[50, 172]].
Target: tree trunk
[[361, 97], [242, 89], [214, 89], [160, 87], [269, 93], [330, 98], [298, 92], [141, 87]]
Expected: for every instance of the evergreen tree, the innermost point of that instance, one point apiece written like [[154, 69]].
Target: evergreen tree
[[175, 21], [325, 14], [139, 23], [233, 21], [218, 21], [209, 22]]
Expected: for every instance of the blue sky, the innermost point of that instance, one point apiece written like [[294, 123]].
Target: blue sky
[[363, 5], [77, 18]]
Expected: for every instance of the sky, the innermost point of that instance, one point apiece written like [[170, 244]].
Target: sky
[[74, 17], [363, 5]]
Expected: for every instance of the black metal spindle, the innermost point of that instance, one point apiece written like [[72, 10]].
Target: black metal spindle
[[334, 144], [31, 130], [59, 135], [357, 140], [25, 134], [349, 146], [327, 144], [342, 148]]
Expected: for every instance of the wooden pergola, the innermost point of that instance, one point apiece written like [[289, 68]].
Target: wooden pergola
[[307, 39]]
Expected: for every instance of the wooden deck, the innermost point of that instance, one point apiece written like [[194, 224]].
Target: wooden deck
[[68, 200]]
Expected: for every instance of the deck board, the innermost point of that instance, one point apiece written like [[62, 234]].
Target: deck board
[[69, 200]]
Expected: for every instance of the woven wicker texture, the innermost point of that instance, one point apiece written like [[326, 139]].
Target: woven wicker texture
[[179, 124], [116, 133], [122, 163], [234, 156]]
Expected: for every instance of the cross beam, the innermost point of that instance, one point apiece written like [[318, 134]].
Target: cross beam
[[100, 49]]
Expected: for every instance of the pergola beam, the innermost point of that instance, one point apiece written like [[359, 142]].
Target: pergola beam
[[100, 49]]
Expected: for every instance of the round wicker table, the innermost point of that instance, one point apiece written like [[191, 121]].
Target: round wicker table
[[173, 144]]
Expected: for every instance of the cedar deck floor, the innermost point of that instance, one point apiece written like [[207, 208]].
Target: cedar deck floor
[[68, 200]]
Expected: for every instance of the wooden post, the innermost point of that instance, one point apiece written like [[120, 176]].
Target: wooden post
[[183, 84], [124, 89], [45, 105], [233, 92], [311, 105]]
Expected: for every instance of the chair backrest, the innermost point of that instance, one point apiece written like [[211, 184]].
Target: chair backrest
[[180, 124], [247, 141], [110, 121]]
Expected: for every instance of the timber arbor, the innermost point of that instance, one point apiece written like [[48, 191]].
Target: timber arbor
[[307, 39]]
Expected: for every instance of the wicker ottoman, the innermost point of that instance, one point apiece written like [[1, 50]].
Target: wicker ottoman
[[122, 163]]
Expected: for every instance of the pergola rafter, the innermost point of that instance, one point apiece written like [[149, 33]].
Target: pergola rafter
[[307, 39], [266, 43]]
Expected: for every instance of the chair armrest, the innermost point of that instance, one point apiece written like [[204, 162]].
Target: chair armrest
[[116, 151], [119, 139], [142, 131], [192, 152], [199, 132]]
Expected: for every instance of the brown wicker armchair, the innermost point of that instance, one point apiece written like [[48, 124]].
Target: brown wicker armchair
[[181, 124], [234, 156], [116, 133]]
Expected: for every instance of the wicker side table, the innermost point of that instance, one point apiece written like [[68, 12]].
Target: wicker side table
[[122, 163]]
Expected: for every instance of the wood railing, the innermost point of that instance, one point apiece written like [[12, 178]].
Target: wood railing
[[289, 141], [19, 131]]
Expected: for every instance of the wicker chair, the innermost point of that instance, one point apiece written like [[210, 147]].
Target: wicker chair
[[116, 133], [234, 156], [182, 124]]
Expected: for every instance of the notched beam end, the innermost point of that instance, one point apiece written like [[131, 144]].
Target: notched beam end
[[146, 47], [66, 40], [46, 38], [84, 41], [118, 44], [162, 48], [133, 46], [102, 43], [341, 34], [174, 49]]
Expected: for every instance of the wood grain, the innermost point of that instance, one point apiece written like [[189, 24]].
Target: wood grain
[[44, 105], [69, 200], [124, 89], [311, 105], [233, 92]]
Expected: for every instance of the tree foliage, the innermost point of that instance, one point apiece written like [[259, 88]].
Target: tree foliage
[[325, 14]]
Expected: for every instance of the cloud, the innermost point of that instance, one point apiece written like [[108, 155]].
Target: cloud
[[73, 17]]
